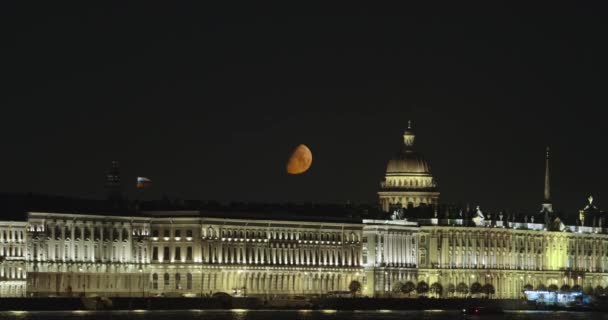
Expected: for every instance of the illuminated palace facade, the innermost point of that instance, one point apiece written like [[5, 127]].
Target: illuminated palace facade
[[192, 253]]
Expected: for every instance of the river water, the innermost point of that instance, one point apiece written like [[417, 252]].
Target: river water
[[290, 315]]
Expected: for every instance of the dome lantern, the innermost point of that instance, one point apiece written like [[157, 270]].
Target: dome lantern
[[409, 136]]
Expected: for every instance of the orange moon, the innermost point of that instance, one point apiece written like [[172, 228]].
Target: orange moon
[[300, 160]]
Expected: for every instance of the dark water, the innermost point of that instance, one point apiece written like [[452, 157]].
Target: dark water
[[290, 315]]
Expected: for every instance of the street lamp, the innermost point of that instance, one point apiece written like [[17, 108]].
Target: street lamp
[[143, 285], [201, 273]]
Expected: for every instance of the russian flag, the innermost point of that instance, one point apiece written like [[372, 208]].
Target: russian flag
[[143, 182]]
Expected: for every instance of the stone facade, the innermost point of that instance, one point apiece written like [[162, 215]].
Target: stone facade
[[70, 254], [55, 254]]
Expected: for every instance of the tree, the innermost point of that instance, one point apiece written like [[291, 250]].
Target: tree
[[451, 289], [588, 290], [576, 288], [528, 287], [397, 287], [541, 287], [422, 288], [552, 288], [599, 290], [475, 288], [437, 289], [462, 288], [488, 289], [354, 287], [408, 287], [564, 288]]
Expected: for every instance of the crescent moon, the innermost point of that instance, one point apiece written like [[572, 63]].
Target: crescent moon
[[300, 160]]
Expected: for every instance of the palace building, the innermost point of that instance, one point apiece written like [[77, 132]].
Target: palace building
[[202, 252]]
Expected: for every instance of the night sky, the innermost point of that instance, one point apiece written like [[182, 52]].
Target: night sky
[[208, 102]]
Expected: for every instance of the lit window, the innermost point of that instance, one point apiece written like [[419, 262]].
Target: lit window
[[166, 278], [166, 254], [155, 281], [189, 281], [155, 254], [178, 254]]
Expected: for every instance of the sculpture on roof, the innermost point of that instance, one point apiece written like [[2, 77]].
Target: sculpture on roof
[[593, 212], [558, 225], [479, 218], [590, 206]]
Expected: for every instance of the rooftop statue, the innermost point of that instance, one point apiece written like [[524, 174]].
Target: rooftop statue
[[479, 218], [558, 225], [590, 206], [589, 211], [397, 214]]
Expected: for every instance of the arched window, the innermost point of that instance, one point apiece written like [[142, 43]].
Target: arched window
[[422, 258], [189, 281], [166, 278], [178, 279], [155, 281]]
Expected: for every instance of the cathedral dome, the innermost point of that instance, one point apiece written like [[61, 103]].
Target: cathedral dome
[[408, 161], [408, 180]]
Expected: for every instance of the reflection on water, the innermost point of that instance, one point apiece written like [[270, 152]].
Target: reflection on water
[[242, 314]]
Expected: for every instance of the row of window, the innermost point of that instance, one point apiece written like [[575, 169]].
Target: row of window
[[284, 235], [117, 253], [14, 235], [410, 183], [11, 251], [177, 233], [177, 283], [86, 233], [167, 254]]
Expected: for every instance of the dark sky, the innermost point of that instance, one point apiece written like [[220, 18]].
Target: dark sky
[[208, 102]]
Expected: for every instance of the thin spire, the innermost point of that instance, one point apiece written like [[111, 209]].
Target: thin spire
[[547, 179]]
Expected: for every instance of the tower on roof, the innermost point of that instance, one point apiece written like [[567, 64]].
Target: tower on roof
[[113, 184], [546, 205]]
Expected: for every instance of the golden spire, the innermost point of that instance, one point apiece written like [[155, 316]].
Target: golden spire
[[547, 179], [547, 207]]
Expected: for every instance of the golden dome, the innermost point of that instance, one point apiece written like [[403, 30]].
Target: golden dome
[[408, 161]]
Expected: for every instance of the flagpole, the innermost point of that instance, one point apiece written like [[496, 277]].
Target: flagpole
[[142, 183], [137, 196]]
